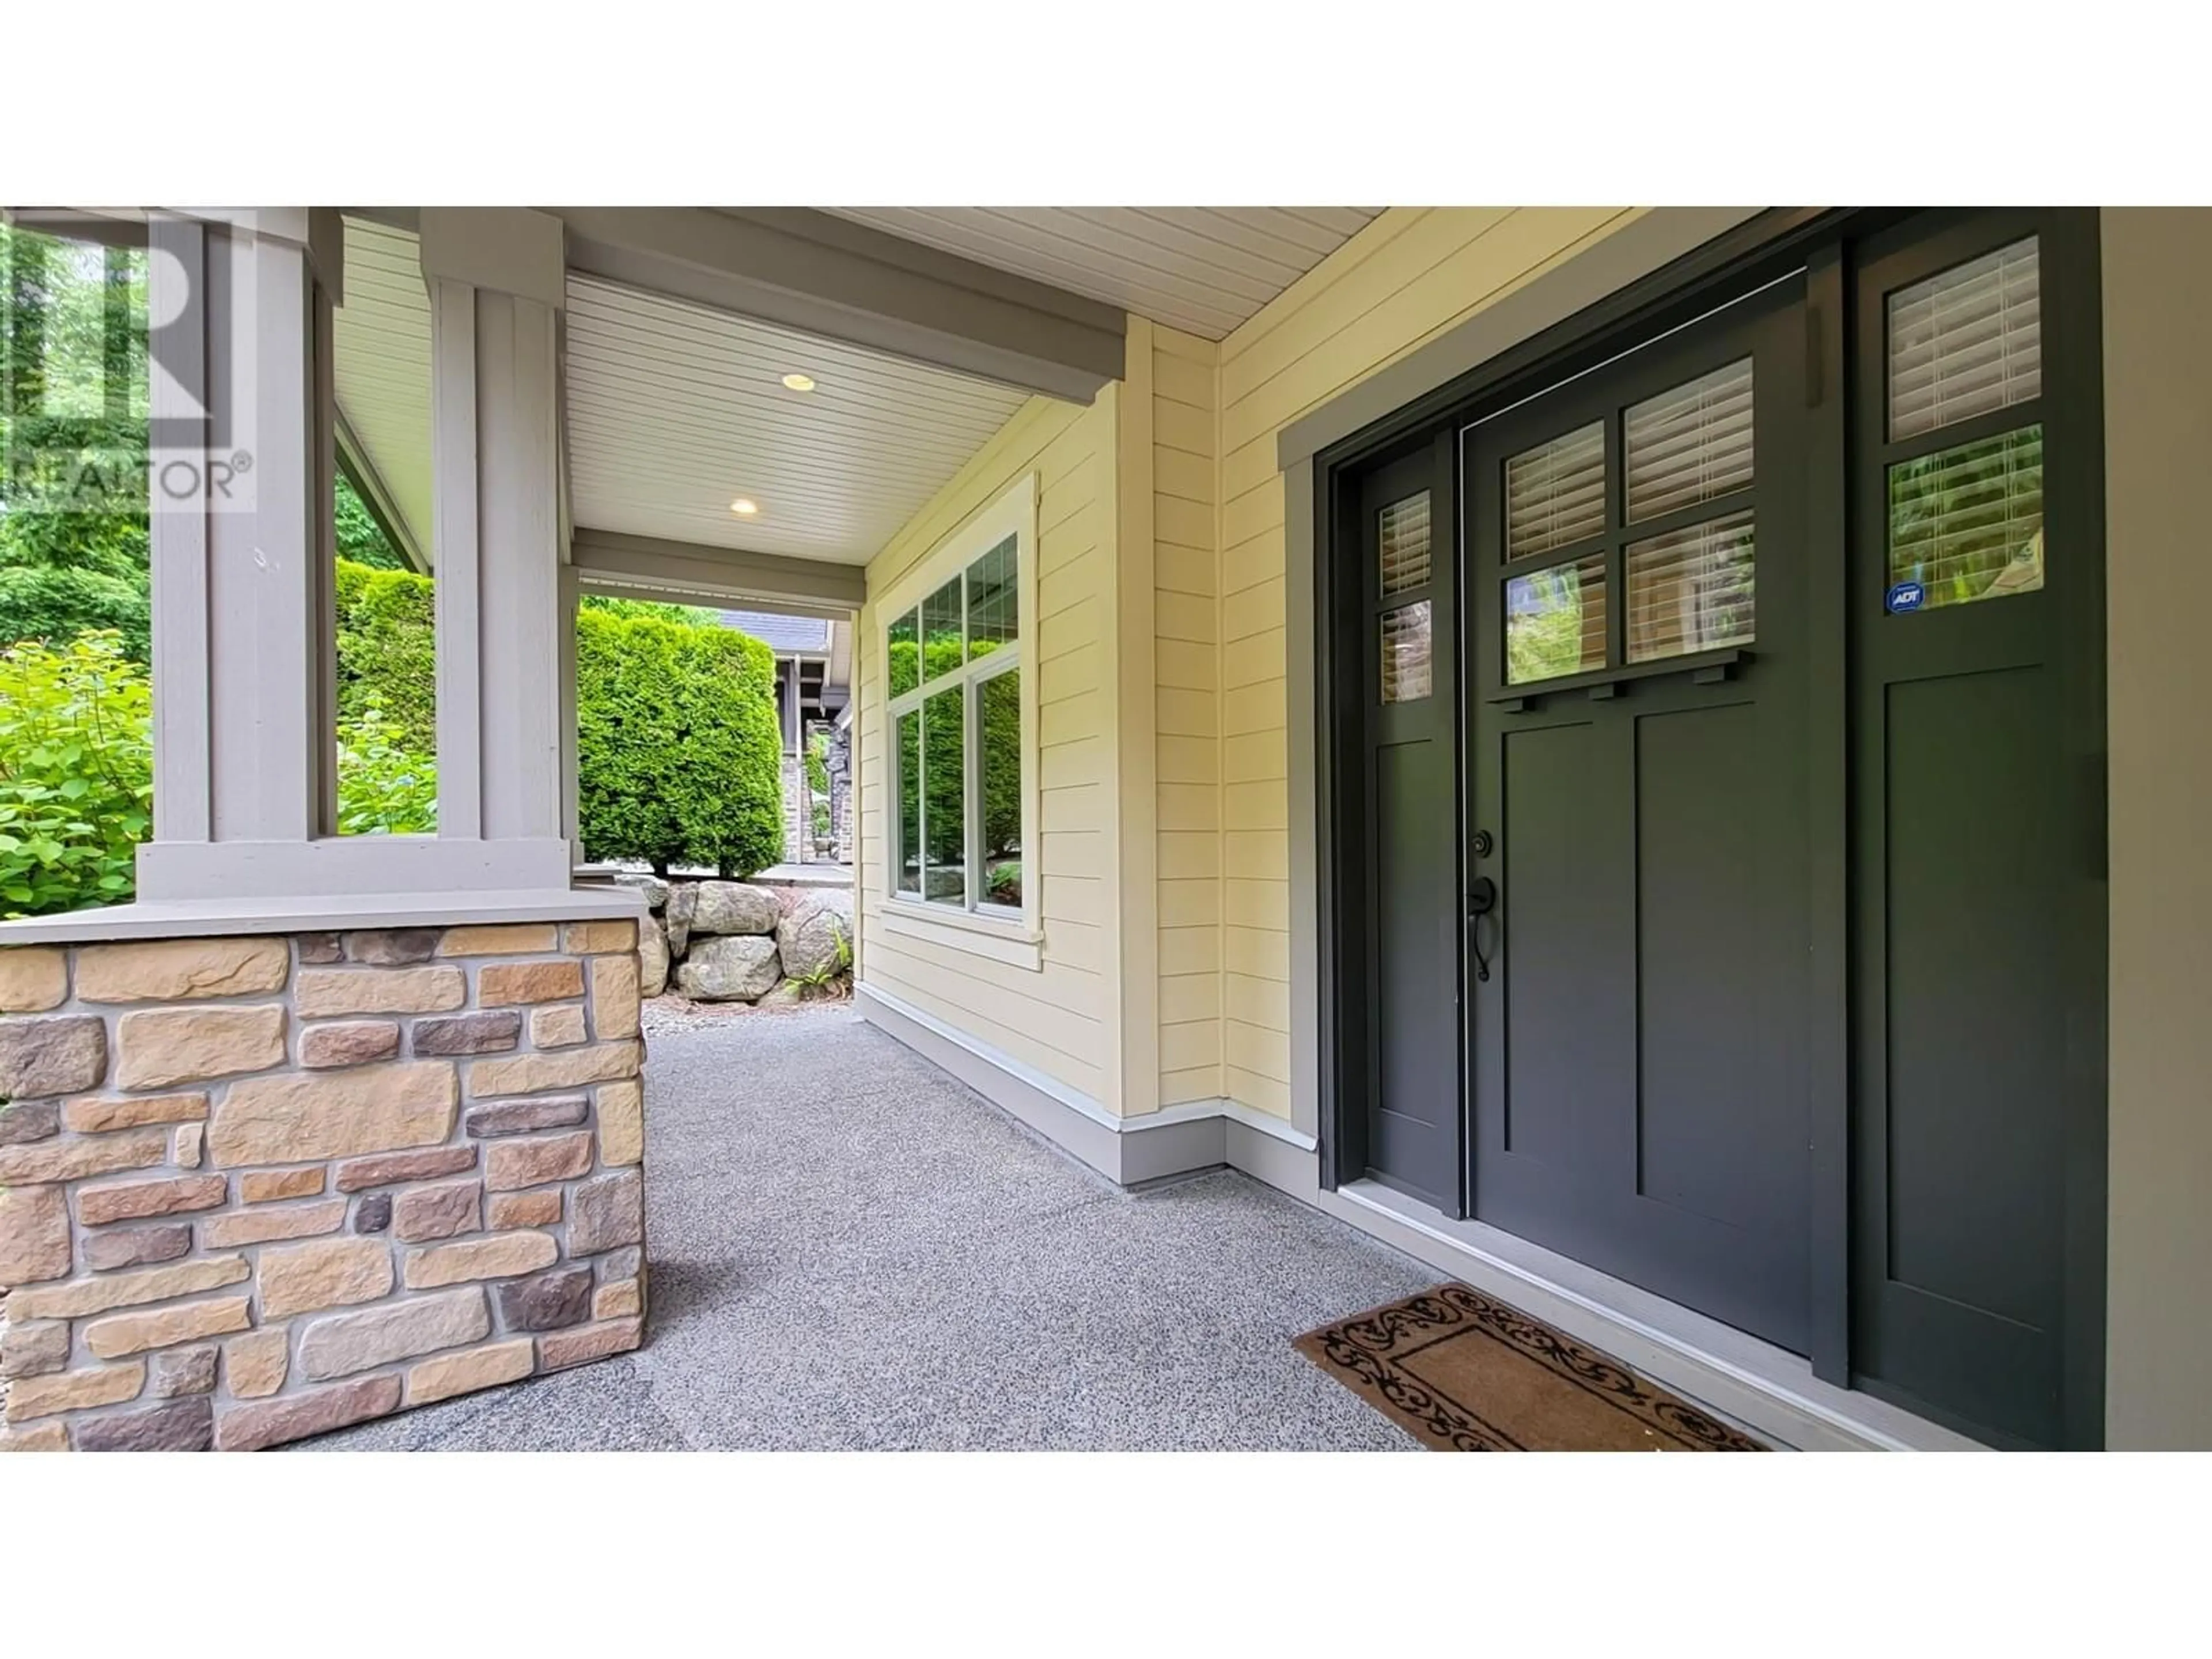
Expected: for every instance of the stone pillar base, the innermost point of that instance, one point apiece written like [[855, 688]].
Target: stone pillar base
[[256, 1189]]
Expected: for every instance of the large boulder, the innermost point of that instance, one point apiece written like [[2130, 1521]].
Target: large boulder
[[652, 957], [816, 938], [683, 900], [731, 907], [651, 888], [729, 968]]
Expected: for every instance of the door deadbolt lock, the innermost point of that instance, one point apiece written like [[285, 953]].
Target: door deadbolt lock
[[1482, 844]]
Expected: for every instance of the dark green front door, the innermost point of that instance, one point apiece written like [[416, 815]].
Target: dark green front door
[[1637, 704]]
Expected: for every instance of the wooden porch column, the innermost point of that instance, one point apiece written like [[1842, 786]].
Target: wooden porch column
[[241, 549], [498, 283]]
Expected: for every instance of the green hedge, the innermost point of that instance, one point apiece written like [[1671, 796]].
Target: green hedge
[[677, 750], [387, 650]]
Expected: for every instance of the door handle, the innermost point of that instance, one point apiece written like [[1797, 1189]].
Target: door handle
[[1481, 900]]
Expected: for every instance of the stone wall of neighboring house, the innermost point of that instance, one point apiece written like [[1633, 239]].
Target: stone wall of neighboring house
[[797, 845], [251, 1189]]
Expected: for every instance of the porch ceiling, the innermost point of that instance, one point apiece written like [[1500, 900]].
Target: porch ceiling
[[1201, 269], [674, 411]]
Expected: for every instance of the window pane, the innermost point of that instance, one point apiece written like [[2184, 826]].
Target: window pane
[[943, 823], [1967, 523], [905, 656], [1555, 621], [1000, 697], [940, 631], [1402, 544], [1691, 590], [1406, 652], [1690, 444], [1966, 342], [908, 852], [993, 603], [1555, 493]]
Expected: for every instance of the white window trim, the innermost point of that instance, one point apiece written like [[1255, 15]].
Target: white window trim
[[981, 929]]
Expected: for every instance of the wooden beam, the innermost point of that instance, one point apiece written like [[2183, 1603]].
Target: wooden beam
[[810, 270], [649, 567]]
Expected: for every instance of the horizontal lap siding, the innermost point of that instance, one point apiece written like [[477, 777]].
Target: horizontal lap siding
[[1409, 276], [1059, 1020], [1187, 677]]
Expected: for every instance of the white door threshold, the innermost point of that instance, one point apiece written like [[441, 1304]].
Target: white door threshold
[[1768, 1391]]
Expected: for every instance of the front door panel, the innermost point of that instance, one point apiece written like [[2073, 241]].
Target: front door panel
[[1636, 711]]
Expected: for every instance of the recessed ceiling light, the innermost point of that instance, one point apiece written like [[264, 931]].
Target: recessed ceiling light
[[744, 509], [799, 382]]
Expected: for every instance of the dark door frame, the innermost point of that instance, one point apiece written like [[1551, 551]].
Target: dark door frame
[[1762, 249]]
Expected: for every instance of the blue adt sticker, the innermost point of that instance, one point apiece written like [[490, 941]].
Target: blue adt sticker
[[1905, 596]]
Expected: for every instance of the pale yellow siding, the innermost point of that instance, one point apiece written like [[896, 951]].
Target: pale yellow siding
[[1411, 274], [1061, 1020], [1187, 674]]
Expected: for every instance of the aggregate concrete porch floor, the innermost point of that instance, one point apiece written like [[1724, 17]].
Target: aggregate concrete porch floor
[[852, 1250]]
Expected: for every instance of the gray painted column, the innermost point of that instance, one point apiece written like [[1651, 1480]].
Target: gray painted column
[[241, 459], [498, 283]]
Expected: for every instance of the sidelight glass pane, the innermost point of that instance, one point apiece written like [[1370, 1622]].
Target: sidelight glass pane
[[1000, 765], [1402, 544], [1966, 341], [1690, 444], [940, 631], [1691, 590], [1966, 523], [905, 653], [1555, 621], [1555, 493], [908, 857], [1406, 652], [943, 797], [993, 601]]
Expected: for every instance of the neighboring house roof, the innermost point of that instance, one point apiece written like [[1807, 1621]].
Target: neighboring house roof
[[788, 636]]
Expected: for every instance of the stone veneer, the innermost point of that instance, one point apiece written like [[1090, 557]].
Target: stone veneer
[[252, 1190]]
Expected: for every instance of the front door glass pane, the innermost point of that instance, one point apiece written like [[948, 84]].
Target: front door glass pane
[[1966, 523], [1555, 621], [1691, 590], [1402, 544], [1966, 341], [1406, 652], [1691, 443], [1555, 493]]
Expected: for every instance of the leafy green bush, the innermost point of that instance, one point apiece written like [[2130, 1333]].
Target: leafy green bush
[[387, 650], [43, 602], [677, 750], [384, 788], [76, 774]]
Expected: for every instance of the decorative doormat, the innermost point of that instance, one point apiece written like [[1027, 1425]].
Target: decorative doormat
[[1468, 1374]]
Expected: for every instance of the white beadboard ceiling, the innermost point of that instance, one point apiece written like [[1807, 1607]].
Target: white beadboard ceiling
[[675, 410], [381, 343], [1200, 269]]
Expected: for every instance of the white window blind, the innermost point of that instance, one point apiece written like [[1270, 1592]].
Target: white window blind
[[1555, 493], [1966, 523], [1691, 443], [1966, 341], [1403, 543]]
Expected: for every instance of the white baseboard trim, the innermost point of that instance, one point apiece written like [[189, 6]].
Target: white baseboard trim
[[1772, 1393]]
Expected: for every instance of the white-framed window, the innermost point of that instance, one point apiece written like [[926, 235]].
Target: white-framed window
[[960, 725]]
